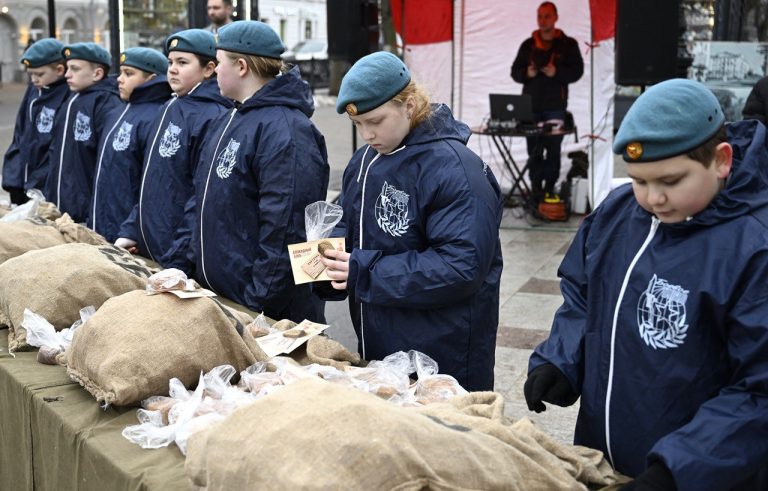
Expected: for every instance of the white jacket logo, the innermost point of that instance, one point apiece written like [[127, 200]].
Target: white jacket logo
[[82, 127], [169, 144], [392, 210], [45, 120], [227, 159], [123, 137], [661, 314]]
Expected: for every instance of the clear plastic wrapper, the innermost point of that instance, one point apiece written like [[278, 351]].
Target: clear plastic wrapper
[[194, 425], [27, 210], [260, 327], [41, 333], [169, 280], [320, 218]]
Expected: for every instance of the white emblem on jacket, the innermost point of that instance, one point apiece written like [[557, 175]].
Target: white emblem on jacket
[[123, 137], [661, 314], [227, 159], [45, 120], [82, 127], [169, 144], [392, 210]]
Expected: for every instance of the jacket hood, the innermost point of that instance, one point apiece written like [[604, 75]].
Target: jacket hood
[[57, 83], [286, 90], [441, 125], [208, 91], [746, 188], [155, 90]]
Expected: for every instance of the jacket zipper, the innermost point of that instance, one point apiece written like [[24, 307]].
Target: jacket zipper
[[101, 158], [146, 171], [205, 193], [651, 234], [61, 155]]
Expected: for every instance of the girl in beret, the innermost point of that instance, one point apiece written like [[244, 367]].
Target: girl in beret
[[143, 87], [422, 215], [262, 164], [160, 225]]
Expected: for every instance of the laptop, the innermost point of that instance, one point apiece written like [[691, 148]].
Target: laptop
[[511, 107]]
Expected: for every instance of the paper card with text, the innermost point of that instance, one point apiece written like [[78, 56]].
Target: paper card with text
[[286, 341], [305, 259]]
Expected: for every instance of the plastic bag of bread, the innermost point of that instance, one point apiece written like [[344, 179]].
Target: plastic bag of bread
[[168, 280]]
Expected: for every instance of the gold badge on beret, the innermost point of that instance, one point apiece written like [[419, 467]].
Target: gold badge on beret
[[122, 58], [25, 61], [174, 42], [634, 150], [351, 109], [67, 52]]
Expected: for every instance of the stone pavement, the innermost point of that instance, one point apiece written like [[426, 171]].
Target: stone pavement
[[529, 287]]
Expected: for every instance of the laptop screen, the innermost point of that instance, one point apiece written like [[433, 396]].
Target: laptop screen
[[511, 107]]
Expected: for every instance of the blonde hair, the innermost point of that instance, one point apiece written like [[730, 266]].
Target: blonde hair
[[261, 66], [422, 110]]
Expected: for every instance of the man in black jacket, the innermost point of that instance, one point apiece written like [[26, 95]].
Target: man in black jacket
[[756, 106], [545, 64]]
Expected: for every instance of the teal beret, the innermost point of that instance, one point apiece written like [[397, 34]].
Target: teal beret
[[87, 51], [671, 118], [371, 82], [195, 41], [250, 37], [43, 52], [147, 59]]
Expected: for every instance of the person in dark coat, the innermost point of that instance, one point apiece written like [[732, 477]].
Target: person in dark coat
[[262, 164], [78, 127], [663, 332], [143, 86], [545, 64], [25, 165], [756, 106], [160, 225], [421, 217]]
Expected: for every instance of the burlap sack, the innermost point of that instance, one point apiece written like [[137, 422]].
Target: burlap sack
[[16, 238], [136, 343], [59, 281], [317, 435]]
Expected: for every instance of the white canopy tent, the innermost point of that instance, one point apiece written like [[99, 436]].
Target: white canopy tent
[[462, 50]]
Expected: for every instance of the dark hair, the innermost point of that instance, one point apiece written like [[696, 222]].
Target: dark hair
[[225, 2], [204, 60], [705, 153], [549, 4]]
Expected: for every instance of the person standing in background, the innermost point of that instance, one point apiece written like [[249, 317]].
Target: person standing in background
[[545, 64], [220, 14]]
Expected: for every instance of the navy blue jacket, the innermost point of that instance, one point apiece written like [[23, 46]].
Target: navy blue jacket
[[664, 330], [121, 154], [262, 164], [78, 126], [26, 163], [163, 219], [422, 224]]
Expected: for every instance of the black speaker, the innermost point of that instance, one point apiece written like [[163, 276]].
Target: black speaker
[[647, 33], [353, 28]]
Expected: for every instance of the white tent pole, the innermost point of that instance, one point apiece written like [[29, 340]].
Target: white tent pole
[[590, 171]]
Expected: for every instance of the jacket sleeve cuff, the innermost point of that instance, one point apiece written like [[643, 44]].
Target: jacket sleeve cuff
[[359, 279]]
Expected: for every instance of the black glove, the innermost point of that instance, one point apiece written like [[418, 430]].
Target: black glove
[[548, 384], [655, 478]]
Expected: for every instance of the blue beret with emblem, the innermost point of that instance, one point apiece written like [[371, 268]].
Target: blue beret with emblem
[[250, 37], [147, 59], [669, 119], [371, 82], [197, 41], [87, 51], [43, 52]]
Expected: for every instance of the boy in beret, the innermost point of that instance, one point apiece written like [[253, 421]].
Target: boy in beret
[[26, 165], [663, 332], [160, 225], [261, 165], [143, 86], [78, 128]]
